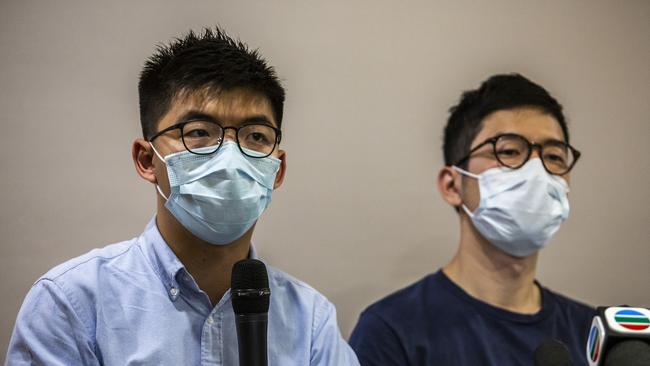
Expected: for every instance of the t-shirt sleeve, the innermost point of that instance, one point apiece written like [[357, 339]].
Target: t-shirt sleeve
[[48, 331], [376, 343], [328, 346]]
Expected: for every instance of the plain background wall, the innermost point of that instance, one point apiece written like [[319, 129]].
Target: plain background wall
[[369, 84]]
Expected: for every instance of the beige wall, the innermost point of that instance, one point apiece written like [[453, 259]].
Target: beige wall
[[368, 87]]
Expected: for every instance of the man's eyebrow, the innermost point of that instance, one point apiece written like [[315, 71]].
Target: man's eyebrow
[[553, 141], [547, 140], [193, 115], [259, 119]]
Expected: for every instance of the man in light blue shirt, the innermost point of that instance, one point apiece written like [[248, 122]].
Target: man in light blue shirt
[[211, 113]]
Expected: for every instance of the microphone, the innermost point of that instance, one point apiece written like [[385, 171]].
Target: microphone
[[552, 353], [629, 353], [250, 301], [619, 335]]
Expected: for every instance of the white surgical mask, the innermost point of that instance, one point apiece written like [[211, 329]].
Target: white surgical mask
[[218, 197], [520, 209]]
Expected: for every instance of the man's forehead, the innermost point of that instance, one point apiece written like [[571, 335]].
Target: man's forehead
[[230, 107], [534, 124]]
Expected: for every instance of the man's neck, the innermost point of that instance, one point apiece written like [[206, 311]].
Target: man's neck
[[210, 265], [492, 276]]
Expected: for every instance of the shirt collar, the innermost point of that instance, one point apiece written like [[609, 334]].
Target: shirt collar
[[165, 263], [252, 253], [162, 258]]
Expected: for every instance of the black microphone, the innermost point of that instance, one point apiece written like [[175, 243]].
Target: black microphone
[[629, 353], [552, 353], [619, 336], [250, 301]]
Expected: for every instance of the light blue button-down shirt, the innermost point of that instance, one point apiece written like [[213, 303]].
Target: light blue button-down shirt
[[134, 303]]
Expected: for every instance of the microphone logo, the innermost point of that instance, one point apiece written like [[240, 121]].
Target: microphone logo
[[632, 319], [595, 342], [628, 320]]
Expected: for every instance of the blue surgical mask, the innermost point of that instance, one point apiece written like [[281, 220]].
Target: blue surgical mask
[[520, 209], [218, 197]]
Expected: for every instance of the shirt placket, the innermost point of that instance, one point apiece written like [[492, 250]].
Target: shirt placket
[[211, 345], [212, 342]]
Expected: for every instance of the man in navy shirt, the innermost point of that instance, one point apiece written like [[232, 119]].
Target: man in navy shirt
[[507, 164]]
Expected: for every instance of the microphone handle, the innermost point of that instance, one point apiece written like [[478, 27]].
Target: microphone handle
[[251, 336]]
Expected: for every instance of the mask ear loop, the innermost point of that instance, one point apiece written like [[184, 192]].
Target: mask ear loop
[[460, 170], [163, 160], [161, 193], [471, 175]]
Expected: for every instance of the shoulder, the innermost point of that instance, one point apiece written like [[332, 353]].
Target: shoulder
[[405, 303], [295, 304], [80, 280], [60, 308], [570, 312], [572, 317], [292, 288], [294, 301], [570, 309], [424, 306], [75, 268], [387, 329], [312, 318]]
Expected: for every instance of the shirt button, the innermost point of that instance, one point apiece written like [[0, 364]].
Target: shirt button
[[173, 292], [210, 320]]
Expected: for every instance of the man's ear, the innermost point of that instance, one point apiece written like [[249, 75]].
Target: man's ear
[[143, 158], [279, 177], [449, 186]]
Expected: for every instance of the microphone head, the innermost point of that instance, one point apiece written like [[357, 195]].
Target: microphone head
[[552, 353], [634, 352], [249, 286]]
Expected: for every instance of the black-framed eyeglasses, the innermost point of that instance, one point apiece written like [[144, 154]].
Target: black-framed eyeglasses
[[201, 137], [513, 151]]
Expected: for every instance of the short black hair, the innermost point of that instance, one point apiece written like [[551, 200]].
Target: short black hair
[[499, 92], [209, 61]]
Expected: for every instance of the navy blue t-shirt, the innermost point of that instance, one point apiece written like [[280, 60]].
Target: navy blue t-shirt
[[435, 322]]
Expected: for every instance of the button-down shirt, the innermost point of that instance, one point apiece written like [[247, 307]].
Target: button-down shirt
[[134, 303]]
